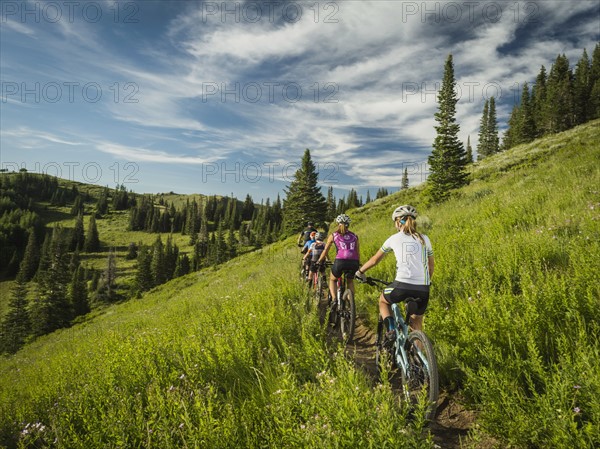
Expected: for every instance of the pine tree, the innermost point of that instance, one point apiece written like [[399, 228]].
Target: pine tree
[[31, 259], [232, 243], [368, 200], [248, 208], [143, 277], [304, 201], [102, 204], [483, 149], [183, 266], [158, 268], [51, 309], [132, 251], [469, 155], [559, 103], [78, 235], [331, 206], [16, 324], [78, 293], [492, 128], [594, 106], [92, 239], [526, 122], [539, 103], [447, 160], [582, 90], [404, 185], [108, 281]]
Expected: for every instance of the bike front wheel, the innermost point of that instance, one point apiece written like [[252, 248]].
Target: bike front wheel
[[422, 376], [347, 314]]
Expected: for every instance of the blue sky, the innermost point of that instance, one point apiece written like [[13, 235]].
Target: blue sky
[[221, 98]]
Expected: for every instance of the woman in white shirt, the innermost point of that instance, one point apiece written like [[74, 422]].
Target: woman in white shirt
[[414, 263]]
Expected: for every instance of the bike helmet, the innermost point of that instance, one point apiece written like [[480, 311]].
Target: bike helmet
[[320, 236], [343, 219], [404, 211]]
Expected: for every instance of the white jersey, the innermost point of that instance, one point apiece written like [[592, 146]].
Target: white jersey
[[411, 258]]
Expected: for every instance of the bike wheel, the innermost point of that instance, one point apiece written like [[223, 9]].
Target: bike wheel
[[322, 289], [385, 355], [422, 372], [347, 317]]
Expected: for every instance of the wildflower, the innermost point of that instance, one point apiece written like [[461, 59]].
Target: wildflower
[[577, 410], [577, 387], [182, 377], [302, 426], [279, 391], [171, 388], [181, 425]]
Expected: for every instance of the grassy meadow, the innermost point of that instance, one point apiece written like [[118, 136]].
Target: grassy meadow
[[234, 357]]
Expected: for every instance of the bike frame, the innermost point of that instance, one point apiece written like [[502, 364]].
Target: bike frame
[[402, 331]]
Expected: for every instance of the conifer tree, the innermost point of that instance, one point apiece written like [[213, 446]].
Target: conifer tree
[[594, 102], [158, 262], [331, 206], [78, 235], [16, 324], [304, 201], [132, 251], [539, 103], [102, 204], [51, 309], [78, 293], [404, 185], [31, 259], [492, 128], [183, 266], [447, 160], [108, 281], [469, 155], [368, 200], [582, 90], [92, 239], [558, 110], [525, 131], [143, 277], [483, 150]]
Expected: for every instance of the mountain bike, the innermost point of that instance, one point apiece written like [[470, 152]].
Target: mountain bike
[[342, 310], [411, 355], [321, 283]]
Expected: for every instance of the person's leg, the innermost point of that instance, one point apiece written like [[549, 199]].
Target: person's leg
[[332, 279]]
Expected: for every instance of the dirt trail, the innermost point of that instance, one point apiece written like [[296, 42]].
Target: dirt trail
[[452, 421]]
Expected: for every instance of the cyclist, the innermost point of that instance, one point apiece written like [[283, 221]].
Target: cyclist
[[305, 234], [313, 254], [414, 263], [348, 254], [305, 261]]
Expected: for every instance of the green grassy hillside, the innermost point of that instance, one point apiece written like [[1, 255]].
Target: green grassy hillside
[[233, 357]]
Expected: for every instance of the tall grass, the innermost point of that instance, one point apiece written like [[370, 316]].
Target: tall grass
[[233, 357], [220, 359]]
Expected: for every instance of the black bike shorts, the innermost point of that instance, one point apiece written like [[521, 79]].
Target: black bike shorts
[[400, 291], [347, 265]]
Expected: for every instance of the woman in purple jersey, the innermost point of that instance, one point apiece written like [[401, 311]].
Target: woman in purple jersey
[[348, 255]]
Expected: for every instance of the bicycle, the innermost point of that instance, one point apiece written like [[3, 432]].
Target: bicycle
[[342, 309], [411, 354]]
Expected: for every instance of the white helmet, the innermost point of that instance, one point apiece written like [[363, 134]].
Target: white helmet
[[404, 211], [343, 219]]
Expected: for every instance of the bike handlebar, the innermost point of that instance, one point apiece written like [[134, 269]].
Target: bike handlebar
[[374, 281]]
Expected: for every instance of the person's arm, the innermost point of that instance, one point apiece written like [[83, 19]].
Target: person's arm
[[372, 261], [326, 250], [430, 265]]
